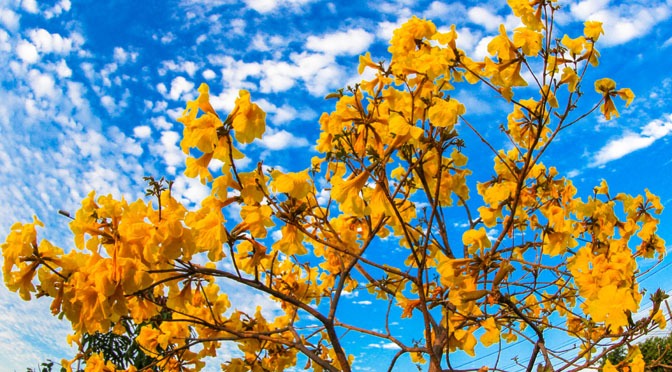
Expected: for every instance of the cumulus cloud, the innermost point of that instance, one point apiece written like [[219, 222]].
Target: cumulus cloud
[[188, 67], [46, 42], [30, 6], [142, 131], [621, 23], [350, 42], [440, 9], [62, 69], [268, 6], [386, 29], [9, 19], [318, 71], [27, 52], [485, 18], [121, 55], [208, 74], [5, 45], [630, 142], [169, 151], [43, 85], [58, 8], [178, 87], [281, 140]]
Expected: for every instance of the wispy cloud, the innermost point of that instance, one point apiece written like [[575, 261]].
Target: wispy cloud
[[630, 142]]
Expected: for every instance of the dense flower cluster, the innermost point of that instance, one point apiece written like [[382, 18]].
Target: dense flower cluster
[[533, 257]]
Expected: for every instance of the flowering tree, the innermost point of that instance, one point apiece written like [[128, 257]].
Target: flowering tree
[[393, 164]]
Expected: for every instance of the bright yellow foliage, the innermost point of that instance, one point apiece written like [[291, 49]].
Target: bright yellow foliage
[[380, 208]]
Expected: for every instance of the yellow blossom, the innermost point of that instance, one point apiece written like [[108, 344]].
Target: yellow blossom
[[249, 121], [593, 29]]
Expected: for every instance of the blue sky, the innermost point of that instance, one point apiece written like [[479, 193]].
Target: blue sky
[[90, 91]]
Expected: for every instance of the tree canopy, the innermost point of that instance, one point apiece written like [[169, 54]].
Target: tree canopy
[[533, 259]]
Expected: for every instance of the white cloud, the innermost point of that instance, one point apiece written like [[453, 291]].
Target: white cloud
[[238, 26], [363, 302], [350, 42], [178, 87], [281, 140], [142, 131], [386, 29], [29, 6], [262, 6], [189, 190], [122, 56], [43, 85], [667, 42], [263, 42], [448, 11], [235, 73], [319, 72], [481, 49], [161, 88], [58, 9], [47, 42], [27, 52], [436, 9], [161, 123], [188, 67], [586, 8], [225, 100], [208, 74], [630, 142], [267, 6], [169, 151], [108, 103], [167, 38], [62, 69], [5, 45], [484, 17], [9, 19], [467, 39], [621, 23], [386, 345]]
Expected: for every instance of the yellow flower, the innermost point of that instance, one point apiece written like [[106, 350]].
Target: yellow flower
[[204, 99], [593, 29], [257, 218], [605, 86], [626, 95], [501, 46], [575, 46], [199, 167], [445, 113], [291, 242], [209, 230], [476, 239], [491, 335], [527, 39], [365, 61], [347, 194], [569, 77], [404, 38], [249, 121], [611, 305], [527, 14], [297, 184], [97, 364]]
